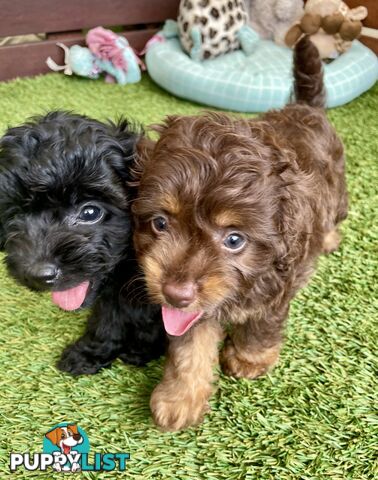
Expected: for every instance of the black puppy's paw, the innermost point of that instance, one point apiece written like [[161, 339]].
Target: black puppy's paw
[[135, 358], [77, 362], [141, 357]]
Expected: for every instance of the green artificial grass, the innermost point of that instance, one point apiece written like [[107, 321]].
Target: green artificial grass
[[312, 418]]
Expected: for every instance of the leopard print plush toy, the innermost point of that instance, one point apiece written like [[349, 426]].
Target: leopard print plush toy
[[208, 28]]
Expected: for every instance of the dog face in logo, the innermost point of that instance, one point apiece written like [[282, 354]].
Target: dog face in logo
[[65, 437]]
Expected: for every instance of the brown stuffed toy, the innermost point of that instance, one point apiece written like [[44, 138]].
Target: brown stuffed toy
[[331, 24]]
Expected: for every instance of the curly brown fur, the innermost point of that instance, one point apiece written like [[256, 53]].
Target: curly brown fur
[[274, 187]]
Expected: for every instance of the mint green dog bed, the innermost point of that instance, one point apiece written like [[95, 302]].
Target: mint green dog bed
[[256, 82]]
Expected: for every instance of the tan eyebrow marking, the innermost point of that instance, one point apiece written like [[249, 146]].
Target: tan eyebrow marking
[[171, 204], [227, 218]]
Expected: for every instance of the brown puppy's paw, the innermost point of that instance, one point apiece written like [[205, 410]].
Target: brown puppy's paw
[[249, 365], [331, 241], [176, 406]]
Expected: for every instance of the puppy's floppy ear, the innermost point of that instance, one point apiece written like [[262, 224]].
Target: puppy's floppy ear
[[126, 135], [144, 150], [2, 237], [73, 428], [168, 121], [18, 145], [53, 435], [3, 181]]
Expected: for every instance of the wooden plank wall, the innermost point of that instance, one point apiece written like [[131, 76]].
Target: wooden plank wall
[[64, 20]]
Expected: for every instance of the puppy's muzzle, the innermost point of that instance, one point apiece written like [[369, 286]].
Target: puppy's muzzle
[[44, 274], [180, 295]]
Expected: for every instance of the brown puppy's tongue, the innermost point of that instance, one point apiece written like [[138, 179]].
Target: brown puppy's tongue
[[71, 299], [177, 322]]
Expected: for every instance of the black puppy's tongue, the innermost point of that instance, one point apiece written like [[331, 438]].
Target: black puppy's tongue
[[71, 299]]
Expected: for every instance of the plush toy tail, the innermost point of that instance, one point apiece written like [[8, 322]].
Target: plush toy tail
[[308, 74], [66, 67]]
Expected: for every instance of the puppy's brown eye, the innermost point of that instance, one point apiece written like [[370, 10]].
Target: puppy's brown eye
[[159, 224], [234, 241]]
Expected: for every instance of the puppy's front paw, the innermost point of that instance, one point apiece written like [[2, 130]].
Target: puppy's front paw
[[175, 407], [77, 362], [247, 365], [331, 241], [75, 468], [140, 359]]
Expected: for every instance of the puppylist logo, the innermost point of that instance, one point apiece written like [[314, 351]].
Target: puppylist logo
[[66, 449]]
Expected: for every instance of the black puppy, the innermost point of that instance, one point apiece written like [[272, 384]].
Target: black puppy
[[65, 227]]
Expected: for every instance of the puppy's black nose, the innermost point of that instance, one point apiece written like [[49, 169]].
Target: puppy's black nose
[[44, 273], [180, 295]]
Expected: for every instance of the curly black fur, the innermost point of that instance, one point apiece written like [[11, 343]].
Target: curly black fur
[[49, 169]]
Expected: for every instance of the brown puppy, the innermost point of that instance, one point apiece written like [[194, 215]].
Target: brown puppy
[[231, 216]]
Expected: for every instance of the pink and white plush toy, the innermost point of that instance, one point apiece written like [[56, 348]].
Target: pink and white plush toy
[[107, 53]]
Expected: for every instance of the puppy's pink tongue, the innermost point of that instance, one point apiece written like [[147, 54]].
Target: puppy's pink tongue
[[66, 449], [71, 299], [177, 322]]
